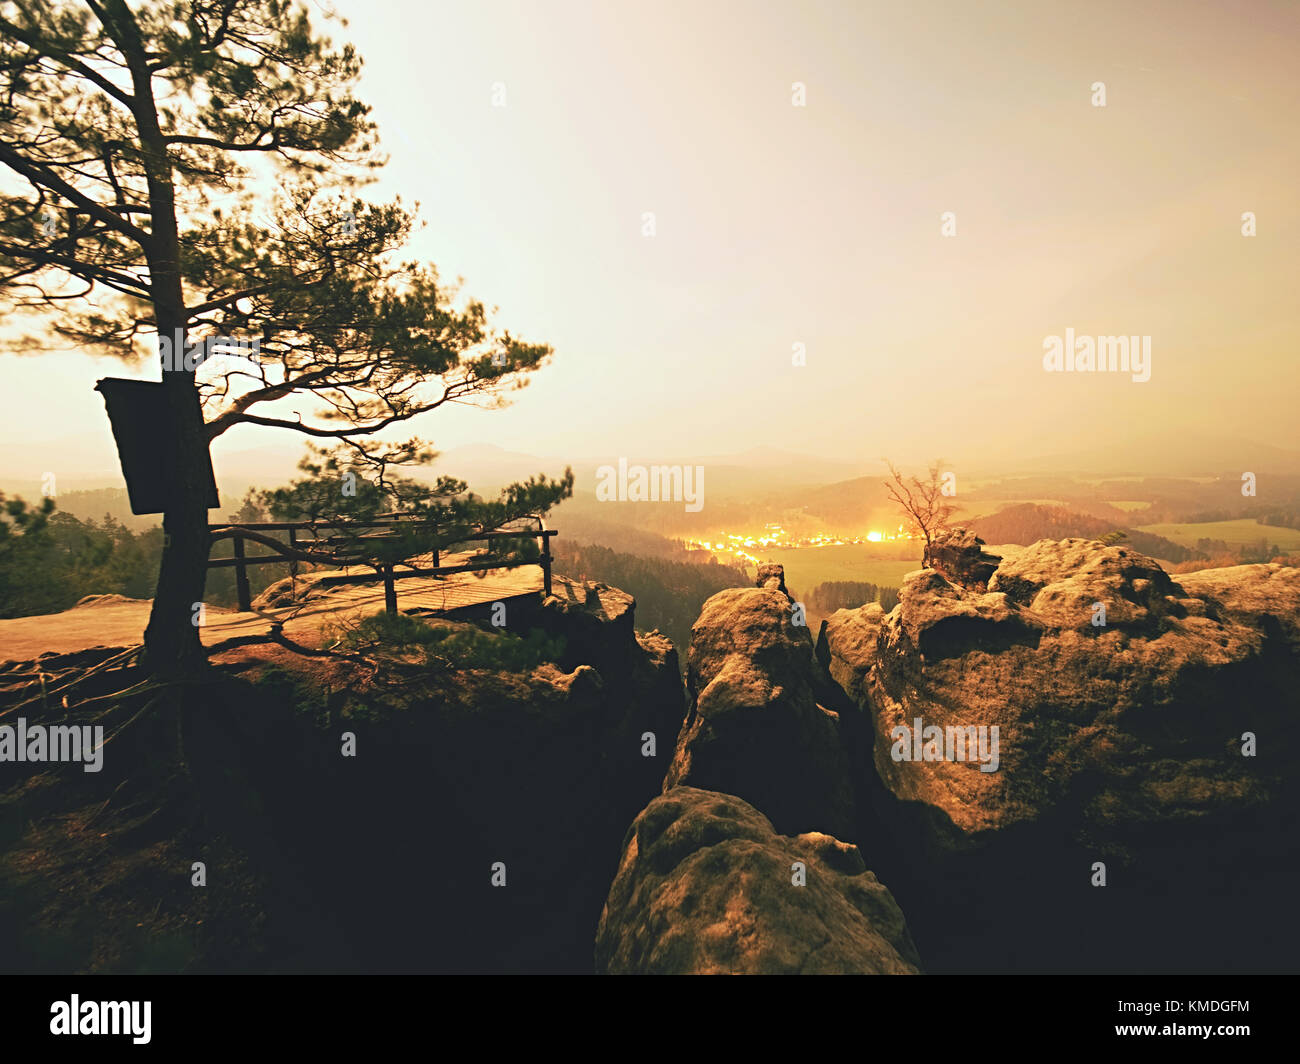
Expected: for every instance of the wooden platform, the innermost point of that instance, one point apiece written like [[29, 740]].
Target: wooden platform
[[123, 624], [348, 603]]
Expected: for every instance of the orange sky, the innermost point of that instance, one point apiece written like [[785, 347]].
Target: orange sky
[[820, 225]]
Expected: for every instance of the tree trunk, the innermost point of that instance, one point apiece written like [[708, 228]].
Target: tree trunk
[[171, 640], [172, 644]]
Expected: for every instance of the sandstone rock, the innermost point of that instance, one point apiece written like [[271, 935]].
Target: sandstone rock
[[856, 633], [960, 556], [295, 590], [705, 887], [99, 601], [542, 771], [595, 620], [1259, 596], [754, 727], [771, 576], [1119, 742], [1078, 704]]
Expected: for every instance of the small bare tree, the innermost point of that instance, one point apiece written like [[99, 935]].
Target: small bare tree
[[925, 511]]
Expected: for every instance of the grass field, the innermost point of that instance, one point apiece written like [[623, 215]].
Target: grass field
[[1234, 533], [806, 567]]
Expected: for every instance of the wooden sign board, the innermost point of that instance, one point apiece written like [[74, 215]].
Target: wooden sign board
[[138, 417]]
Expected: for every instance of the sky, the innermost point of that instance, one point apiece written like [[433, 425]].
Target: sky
[[822, 225]]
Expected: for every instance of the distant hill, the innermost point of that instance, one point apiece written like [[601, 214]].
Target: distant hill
[[860, 503], [578, 528], [1029, 522]]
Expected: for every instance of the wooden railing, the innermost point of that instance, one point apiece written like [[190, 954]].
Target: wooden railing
[[332, 550]]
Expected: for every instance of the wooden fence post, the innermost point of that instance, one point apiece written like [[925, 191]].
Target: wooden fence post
[[241, 576], [546, 564]]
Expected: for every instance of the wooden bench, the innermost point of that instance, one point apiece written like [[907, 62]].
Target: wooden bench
[[309, 550]]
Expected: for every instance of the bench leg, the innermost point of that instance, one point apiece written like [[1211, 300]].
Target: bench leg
[[390, 591], [241, 577]]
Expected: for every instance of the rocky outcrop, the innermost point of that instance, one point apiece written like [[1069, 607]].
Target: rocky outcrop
[[856, 634], [706, 886], [771, 576], [381, 858], [754, 727], [959, 556], [738, 867], [295, 590], [1122, 699], [595, 620], [541, 772], [91, 602]]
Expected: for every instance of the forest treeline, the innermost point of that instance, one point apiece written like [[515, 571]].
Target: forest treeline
[[668, 594], [1275, 516], [50, 560], [850, 594]]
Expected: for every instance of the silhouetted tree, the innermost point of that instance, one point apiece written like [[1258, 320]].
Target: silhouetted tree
[[925, 511], [137, 136]]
